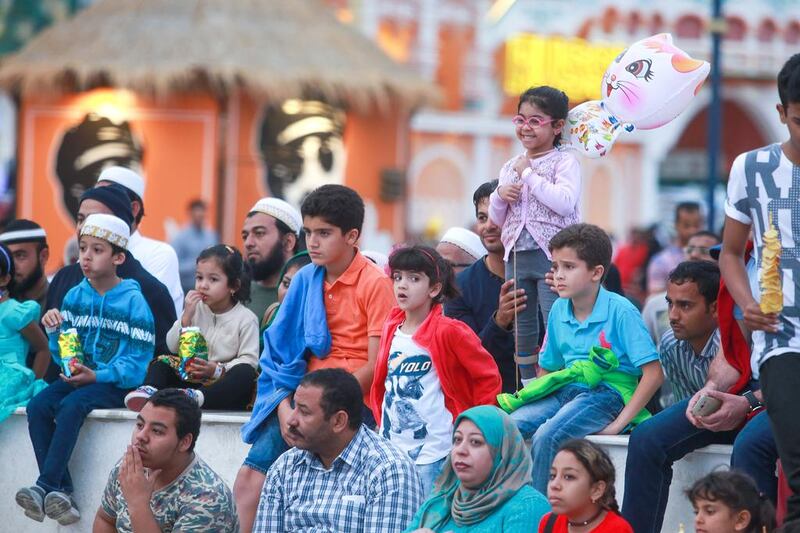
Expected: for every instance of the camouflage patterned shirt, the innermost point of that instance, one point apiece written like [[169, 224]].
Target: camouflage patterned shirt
[[198, 500]]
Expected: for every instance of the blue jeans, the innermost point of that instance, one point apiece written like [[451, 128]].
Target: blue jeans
[[428, 474], [756, 454], [269, 445], [653, 447], [55, 417], [571, 412], [531, 267]]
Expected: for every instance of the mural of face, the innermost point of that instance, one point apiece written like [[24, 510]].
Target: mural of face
[[302, 145], [651, 82], [87, 148]]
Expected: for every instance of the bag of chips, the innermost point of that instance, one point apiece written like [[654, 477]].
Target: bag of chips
[[70, 350], [191, 344]]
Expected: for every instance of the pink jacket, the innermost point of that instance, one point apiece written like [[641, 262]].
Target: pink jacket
[[549, 200]]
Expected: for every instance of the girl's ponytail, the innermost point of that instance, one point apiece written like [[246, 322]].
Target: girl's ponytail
[[738, 492], [597, 462]]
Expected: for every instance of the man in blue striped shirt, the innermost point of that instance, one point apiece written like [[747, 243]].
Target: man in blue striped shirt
[[692, 341], [340, 476]]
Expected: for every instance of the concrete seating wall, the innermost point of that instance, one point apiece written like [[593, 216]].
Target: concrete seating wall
[[106, 433]]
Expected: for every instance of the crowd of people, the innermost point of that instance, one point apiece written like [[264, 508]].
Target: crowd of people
[[446, 388]]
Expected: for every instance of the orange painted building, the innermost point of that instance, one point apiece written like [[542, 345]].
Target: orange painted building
[[188, 152]]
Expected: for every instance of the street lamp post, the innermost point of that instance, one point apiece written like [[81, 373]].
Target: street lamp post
[[717, 29]]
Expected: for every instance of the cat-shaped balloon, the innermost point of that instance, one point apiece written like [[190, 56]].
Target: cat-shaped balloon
[[649, 84]]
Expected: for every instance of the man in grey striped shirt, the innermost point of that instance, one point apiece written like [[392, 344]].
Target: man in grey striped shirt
[[692, 341]]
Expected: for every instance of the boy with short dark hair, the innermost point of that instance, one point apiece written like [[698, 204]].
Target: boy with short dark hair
[[117, 338], [763, 192], [358, 295], [161, 484], [586, 316], [332, 317]]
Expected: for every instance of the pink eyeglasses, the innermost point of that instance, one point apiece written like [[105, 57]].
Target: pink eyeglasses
[[532, 122]]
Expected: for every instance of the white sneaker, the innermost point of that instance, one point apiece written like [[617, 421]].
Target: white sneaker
[[136, 399], [195, 395], [61, 508], [32, 500]]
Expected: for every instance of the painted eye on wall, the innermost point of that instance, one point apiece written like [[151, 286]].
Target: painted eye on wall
[[641, 68], [326, 157]]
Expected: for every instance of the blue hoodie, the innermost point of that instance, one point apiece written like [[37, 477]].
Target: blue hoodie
[[116, 331]]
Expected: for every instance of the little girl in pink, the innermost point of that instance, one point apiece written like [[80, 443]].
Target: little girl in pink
[[537, 197]]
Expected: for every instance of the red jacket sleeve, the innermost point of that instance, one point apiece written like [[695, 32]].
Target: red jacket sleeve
[[734, 345], [378, 388], [484, 380]]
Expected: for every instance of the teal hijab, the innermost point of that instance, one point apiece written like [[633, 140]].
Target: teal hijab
[[511, 471]]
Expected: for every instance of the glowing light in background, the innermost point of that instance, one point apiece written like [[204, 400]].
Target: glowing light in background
[[115, 104]]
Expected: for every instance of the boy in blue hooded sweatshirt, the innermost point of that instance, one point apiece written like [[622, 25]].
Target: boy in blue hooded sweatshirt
[[117, 336]]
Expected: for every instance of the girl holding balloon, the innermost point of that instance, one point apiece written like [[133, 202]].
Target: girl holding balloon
[[537, 197]]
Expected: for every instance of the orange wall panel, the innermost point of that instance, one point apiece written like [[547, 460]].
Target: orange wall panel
[[179, 164]]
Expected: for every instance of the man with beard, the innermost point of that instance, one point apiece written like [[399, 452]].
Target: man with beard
[[487, 301], [271, 236], [27, 242]]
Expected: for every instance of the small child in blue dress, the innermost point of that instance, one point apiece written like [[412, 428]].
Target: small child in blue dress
[[19, 332]]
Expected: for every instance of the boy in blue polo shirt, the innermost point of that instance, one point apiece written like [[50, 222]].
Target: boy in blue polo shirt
[[584, 316]]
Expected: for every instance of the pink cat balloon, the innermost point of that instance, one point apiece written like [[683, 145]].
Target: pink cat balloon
[[649, 84]]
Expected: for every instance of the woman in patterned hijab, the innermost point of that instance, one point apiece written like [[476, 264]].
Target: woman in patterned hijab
[[485, 486]]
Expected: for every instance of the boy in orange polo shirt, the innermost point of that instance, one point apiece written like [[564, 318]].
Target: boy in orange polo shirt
[[358, 295]]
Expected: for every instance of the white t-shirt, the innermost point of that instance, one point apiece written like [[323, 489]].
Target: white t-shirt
[[764, 182], [414, 416], [160, 260]]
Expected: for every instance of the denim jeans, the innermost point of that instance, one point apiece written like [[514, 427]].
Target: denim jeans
[[55, 417], [653, 447], [531, 267], [269, 445], [756, 454], [428, 474], [571, 412]]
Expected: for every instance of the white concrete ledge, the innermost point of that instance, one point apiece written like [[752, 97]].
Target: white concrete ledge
[[102, 440], [685, 472], [107, 432]]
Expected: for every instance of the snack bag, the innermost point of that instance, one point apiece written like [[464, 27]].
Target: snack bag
[[771, 290], [191, 344], [69, 347]]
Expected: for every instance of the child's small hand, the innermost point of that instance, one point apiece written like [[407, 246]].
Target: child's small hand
[[521, 164], [510, 193], [200, 369], [52, 319], [756, 320], [81, 375], [285, 409], [193, 297], [611, 429]]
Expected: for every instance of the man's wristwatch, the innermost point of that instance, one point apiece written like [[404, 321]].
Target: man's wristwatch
[[754, 402]]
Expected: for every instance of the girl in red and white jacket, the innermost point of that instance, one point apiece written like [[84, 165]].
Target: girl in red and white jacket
[[430, 367]]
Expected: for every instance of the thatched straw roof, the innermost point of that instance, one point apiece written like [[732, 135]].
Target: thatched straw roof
[[274, 48]]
